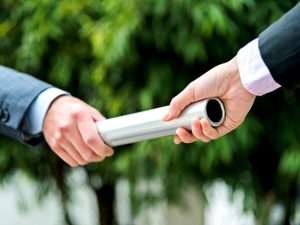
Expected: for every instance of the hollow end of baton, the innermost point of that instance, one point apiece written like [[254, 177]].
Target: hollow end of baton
[[215, 112]]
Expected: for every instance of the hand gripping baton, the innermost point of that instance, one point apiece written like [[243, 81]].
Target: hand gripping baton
[[149, 124]]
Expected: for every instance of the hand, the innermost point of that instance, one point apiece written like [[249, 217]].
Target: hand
[[222, 81], [69, 129]]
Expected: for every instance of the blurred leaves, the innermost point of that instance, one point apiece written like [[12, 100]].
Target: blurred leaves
[[128, 56]]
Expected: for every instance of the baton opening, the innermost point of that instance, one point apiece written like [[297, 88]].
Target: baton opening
[[214, 110]]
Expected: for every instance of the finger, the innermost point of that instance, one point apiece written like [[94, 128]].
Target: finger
[[72, 134], [69, 148], [180, 101], [208, 130], [90, 136], [176, 139], [185, 136], [65, 156], [197, 130], [226, 127]]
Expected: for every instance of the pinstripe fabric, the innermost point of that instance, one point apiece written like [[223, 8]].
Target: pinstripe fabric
[[17, 92]]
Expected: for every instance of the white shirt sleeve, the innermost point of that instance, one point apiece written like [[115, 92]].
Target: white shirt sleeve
[[254, 73], [34, 118]]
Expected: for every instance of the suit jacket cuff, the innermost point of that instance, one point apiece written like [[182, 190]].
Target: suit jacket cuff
[[255, 75]]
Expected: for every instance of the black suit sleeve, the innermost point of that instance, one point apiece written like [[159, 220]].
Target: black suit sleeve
[[279, 46]]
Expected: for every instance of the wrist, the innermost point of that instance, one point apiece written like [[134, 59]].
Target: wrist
[[235, 77], [57, 107], [36, 114]]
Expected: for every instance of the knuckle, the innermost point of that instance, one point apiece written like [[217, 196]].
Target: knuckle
[[55, 146], [76, 111], [59, 138], [64, 127], [90, 140]]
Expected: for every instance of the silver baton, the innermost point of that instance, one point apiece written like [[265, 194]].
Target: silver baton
[[149, 124]]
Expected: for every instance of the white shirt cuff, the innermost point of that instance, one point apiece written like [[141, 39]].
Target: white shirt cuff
[[254, 73], [33, 122]]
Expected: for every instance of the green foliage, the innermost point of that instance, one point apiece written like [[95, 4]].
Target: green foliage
[[128, 56]]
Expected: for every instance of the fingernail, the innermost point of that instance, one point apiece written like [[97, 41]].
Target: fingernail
[[203, 123], [109, 152], [166, 117], [176, 141], [194, 120]]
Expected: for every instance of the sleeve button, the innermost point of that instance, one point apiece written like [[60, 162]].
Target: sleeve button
[[4, 115]]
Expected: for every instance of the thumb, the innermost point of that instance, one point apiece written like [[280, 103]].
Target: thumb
[[201, 88], [179, 102], [206, 86]]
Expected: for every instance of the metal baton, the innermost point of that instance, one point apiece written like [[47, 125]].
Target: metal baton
[[149, 124]]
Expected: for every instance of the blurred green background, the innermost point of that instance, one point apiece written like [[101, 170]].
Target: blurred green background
[[128, 56]]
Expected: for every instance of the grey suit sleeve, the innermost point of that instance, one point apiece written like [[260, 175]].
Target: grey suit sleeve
[[279, 46], [17, 92]]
